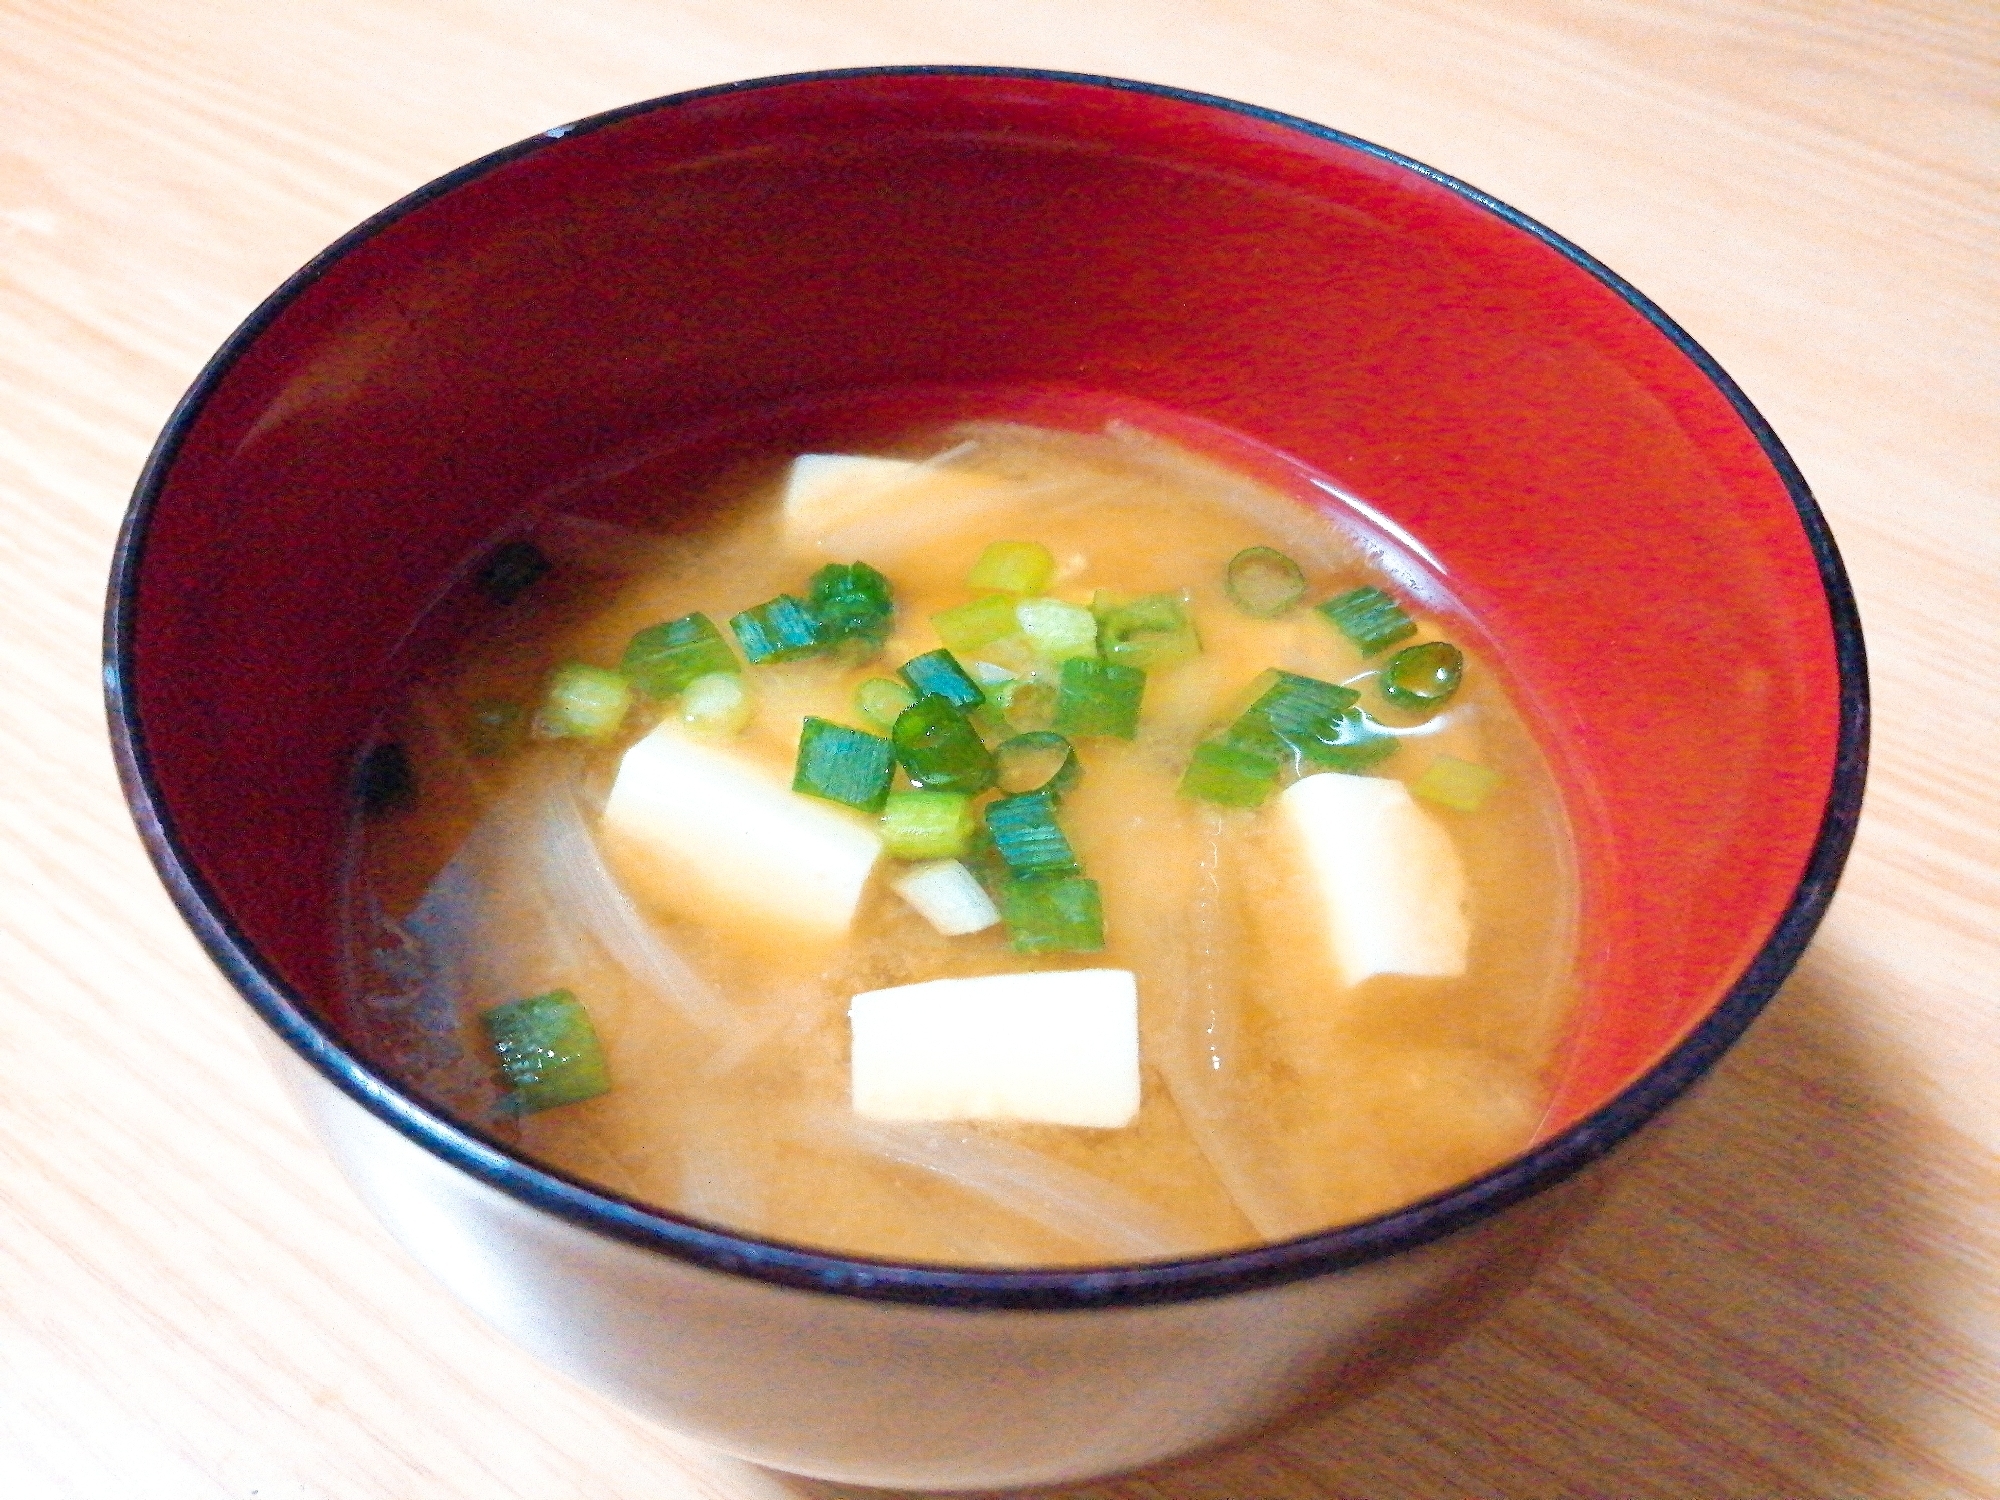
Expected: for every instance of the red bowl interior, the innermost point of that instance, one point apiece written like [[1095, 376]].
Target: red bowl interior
[[1593, 495]]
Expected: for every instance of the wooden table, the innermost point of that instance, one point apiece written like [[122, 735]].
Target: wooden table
[[1798, 1295]]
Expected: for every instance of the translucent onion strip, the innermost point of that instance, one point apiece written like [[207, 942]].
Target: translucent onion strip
[[1046, 1192], [1201, 1058], [580, 883]]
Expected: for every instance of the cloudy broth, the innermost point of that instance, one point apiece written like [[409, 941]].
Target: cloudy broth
[[1275, 1098]]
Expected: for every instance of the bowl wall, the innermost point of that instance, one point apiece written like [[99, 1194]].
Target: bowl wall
[[851, 249]]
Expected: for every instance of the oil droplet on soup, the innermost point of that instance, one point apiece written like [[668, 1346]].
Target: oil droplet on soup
[[1063, 886]]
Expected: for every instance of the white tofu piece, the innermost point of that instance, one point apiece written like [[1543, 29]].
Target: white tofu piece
[[851, 505], [699, 830], [1386, 872], [1057, 1048], [825, 491]]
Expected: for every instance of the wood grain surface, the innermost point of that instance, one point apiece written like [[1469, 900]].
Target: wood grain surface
[[1798, 1292]]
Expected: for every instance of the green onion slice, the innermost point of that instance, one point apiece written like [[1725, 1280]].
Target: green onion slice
[[1423, 678], [1356, 743], [780, 629], [927, 824], [940, 749], [1038, 762], [1369, 618], [1025, 706], [1458, 784], [548, 1052], [510, 570], [844, 765], [1262, 581], [982, 858], [938, 674], [583, 703], [717, 705], [880, 699], [854, 604], [1014, 568], [384, 781], [1144, 630], [1053, 916], [1099, 697], [1056, 631], [1289, 715], [1030, 841], [1229, 775], [971, 627], [662, 660]]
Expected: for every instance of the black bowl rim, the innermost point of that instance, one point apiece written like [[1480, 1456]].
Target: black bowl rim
[[572, 1200]]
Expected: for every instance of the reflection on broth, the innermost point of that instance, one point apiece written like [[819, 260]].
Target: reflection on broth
[[812, 946]]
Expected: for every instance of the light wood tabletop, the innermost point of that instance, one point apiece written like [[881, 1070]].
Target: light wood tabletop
[[1797, 1294]]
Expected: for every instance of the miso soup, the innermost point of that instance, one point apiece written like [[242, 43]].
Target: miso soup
[[998, 847]]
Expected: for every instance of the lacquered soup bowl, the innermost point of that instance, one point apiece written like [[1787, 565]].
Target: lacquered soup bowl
[[1622, 524]]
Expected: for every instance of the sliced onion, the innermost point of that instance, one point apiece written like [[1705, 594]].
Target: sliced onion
[[1074, 1204], [1200, 1059], [580, 884]]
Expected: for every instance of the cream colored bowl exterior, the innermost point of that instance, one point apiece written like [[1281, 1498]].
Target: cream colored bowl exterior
[[891, 1393]]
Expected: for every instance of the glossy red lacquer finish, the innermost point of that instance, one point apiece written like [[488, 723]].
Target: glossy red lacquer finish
[[1590, 494]]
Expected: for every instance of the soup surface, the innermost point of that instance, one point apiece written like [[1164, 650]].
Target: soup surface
[[1288, 1077]]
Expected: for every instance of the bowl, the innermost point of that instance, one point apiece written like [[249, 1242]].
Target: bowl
[[877, 245]]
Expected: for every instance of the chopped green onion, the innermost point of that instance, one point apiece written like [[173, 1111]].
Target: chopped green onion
[[969, 627], [990, 675], [384, 782], [938, 674], [1457, 784], [844, 765], [879, 700], [1053, 916], [1030, 841], [548, 1052], [1289, 715], [940, 749], [1421, 678], [1229, 775], [495, 726], [510, 570], [854, 605], [1015, 653], [1037, 762], [1262, 581], [718, 704], [927, 824], [1014, 568], [1356, 743], [1025, 706], [1144, 630], [1099, 697], [661, 660], [948, 896], [1369, 618], [1057, 631], [780, 629], [983, 859], [583, 703]]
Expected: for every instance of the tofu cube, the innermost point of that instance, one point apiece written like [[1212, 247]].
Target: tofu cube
[[1385, 873], [1056, 1048], [701, 831], [851, 505]]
